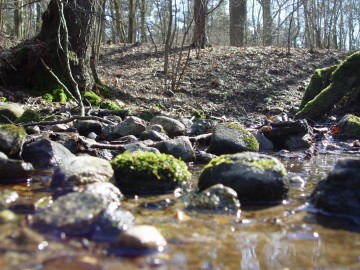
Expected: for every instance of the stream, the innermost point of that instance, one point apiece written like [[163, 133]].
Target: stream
[[278, 237]]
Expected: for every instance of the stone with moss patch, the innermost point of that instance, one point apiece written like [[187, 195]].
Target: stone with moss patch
[[257, 178], [340, 95], [93, 98], [28, 116], [12, 138], [230, 138], [10, 111], [149, 173], [349, 127]]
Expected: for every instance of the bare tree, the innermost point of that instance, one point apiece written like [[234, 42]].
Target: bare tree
[[238, 17]]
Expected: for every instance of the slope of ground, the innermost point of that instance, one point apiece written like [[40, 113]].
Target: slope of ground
[[220, 81]]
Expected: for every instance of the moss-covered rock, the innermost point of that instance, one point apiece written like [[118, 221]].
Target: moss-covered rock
[[349, 127], [93, 98], [231, 138], [10, 111], [12, 139], [319, 81], [341, 95], [256, 178], [149, 173], [28, 116]]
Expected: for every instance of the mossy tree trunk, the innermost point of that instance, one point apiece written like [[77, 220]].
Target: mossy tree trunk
[[64, 43], [335, 90]]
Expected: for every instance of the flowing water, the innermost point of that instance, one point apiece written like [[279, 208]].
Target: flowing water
[[278, 237]]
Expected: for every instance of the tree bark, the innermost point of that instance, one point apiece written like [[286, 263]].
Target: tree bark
[[238, 15], [23, 66], [199, 38], [267, 22]]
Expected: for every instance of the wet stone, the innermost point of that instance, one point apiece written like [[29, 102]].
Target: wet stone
[[73, 214], [138, 240], [7, 197], [12, 139], [217, 198]]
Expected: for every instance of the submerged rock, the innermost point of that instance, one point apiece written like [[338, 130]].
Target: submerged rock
[[257, 178], [349, 127], [12, 139], [138, 240], [217, 198], [149, 173], [82, 170], [171, 126], [7, 197], [339, 193], [73, 214], [43, 153], [231, 138]]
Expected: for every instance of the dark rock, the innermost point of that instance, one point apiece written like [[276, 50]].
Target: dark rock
[[43, 153], [203, 157], [14, 170], [216, 198], [264, 143], [230, 138], [257, 178], [180, 148], [69, 140], [85, 127], [339, 193], [281, 132], [298, 142]]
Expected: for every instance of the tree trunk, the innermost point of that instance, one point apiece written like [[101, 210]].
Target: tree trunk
[[199, 38], [237, 22], [64, 44], [267, 22], [18, 18], [131, 22]]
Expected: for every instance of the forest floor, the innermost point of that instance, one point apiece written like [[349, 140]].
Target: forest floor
[[235, 83], [229, 82]]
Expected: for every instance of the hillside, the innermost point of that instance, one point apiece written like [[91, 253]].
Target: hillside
[[233, 82]]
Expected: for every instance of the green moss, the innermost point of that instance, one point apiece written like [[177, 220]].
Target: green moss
[[347, 68], [28, 116], [93, 98], [150, 165], [13, 129], [249, 139], [103, 90], [55, 95], [217, 161], [48, 97], [319, 81], [3, 99], [198, 114], [109, 105], [269, 164]]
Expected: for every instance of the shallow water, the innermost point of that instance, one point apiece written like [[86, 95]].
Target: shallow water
[[279, 237]]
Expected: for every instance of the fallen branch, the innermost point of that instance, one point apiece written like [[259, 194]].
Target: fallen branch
[[77, 117]]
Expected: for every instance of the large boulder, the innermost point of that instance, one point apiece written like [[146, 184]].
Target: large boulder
[[349, 127], [339, 193], [257, 178], [231, 138], [149, 173], [12, 139], [82, 170]]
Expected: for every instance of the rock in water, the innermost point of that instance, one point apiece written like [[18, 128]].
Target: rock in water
[[82, 170], [339, 193], [149, 173], [349, 127], [257, 178], [231, 138], [12, 139]]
